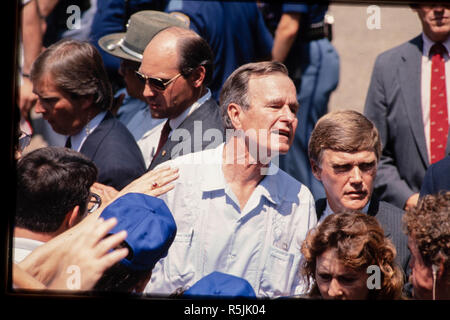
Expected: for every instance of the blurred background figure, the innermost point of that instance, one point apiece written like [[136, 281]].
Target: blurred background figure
[[338, 254], [302, 41], [409, 101], [428, 230], [437, 177], [235, 31]]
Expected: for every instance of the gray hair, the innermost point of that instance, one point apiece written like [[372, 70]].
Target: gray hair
[[235, 88]]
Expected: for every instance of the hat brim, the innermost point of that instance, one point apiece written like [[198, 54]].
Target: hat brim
[[109, 44]]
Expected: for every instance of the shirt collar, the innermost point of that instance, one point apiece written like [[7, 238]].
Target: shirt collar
[[176, 122], [268, 187], [78, 139], [428, 43]]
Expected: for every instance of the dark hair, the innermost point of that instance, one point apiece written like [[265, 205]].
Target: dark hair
[[51, 181], [120, 278], [194, 52], [235, 88], [77, 70], [360, 242]]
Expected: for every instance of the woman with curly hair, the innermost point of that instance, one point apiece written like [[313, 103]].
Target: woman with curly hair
[[338, 254], [428, 230]]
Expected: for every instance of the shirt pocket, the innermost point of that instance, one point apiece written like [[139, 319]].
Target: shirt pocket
[[278, 273], [180, 260]]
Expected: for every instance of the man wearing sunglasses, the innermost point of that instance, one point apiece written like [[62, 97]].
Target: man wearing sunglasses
[[177, 66], [53, 195]]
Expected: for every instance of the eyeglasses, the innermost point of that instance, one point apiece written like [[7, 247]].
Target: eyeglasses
[[160, 84], [94, 202], [24, 140]]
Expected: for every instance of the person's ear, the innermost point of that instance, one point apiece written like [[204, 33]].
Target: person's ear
[[235, 113], [315, 168], [198, 76], [73, 217], [86, 102]]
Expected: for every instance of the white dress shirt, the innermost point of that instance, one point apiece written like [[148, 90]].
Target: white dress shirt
[[78, 139], [261, 243], [426, 85]]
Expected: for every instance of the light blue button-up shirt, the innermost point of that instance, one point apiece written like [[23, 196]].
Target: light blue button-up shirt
[[261, 243]]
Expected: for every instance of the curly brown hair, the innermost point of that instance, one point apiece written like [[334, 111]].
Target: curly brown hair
[[360, 243], [429, 224]]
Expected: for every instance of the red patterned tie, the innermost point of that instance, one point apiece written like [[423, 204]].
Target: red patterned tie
[[438, 104]]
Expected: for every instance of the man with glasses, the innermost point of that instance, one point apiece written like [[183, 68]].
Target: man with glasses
[[129, 46], [176, 67], [53, 195]]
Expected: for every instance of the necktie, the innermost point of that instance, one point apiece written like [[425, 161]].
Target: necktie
[[438, 104], [163, 139], [68, 143]]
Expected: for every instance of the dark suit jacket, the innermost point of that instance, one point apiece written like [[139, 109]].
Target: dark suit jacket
[[115, 153], [437, 177], [203, 129], [390, 219], [393, 103]]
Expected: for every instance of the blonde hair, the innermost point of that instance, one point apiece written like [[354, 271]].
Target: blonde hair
[[346, 131]]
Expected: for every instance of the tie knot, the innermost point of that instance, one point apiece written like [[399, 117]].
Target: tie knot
[[166, 129], [438, 48]]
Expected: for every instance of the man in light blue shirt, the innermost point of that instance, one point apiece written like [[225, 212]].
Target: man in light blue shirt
[[235, 210]]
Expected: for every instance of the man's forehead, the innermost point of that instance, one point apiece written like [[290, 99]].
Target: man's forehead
[[274, 86], [350, 157]]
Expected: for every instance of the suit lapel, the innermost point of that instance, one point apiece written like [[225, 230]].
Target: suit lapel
[[410, 79], [93, 141]]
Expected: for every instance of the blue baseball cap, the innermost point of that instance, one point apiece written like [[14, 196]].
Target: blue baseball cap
[[218, 284], [150, 226]]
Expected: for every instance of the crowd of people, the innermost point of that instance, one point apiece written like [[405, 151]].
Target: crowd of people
[[199, 158]]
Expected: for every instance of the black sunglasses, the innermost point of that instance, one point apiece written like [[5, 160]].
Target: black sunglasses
[[160, 84]]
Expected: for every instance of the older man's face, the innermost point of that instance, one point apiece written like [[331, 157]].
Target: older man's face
[[435, 21], [347, 178], [271, 119]]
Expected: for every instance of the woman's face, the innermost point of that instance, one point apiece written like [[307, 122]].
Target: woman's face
[[336, 281]]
